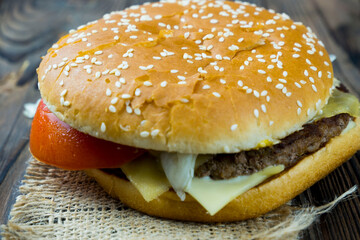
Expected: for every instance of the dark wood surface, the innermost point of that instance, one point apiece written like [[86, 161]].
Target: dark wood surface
[[29, 27]]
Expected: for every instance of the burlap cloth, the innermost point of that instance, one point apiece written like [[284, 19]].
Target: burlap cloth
[[58, 204]]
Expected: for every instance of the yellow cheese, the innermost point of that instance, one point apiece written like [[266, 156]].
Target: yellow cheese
[[147, 176], [150, 180], [213, 195], [340, 102]]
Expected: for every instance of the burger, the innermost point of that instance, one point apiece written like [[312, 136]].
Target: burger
[[203, 111]]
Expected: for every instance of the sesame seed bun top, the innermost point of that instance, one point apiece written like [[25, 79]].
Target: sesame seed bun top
[[188, 76]]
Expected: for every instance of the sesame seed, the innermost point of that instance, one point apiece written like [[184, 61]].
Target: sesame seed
[[208, 36], [125, 96], [97, 74], [63, 93], [163, 84], [112, 108], [263, 108], [108, 92], [296, 55], [137, 92], [298, 111], [129, 109], [306, 73], [137, 111], [256, 94], [261, 71], [206, 87], [302, 81], [155, 132], [182, 78], [270, 66], [313, 68], [110, 56], [103, 127], [221, 39], [256, 113], [282, 80], [66, 73], [182, 82], [214, 21], [147, 83], [114, 100], [240, 83], [311, 79], [216, 94], [233, 127], [314, 87], [184, 100], [263, 93], [186, 35], [98, 52], [240, 40], [285, 73], [174, 71], [279, 86], [268, 79], [144, 134], [233, 47], [271, 123], [226, 149], [319, 74]]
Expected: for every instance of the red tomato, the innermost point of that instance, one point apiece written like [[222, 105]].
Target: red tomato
[[56, 143]]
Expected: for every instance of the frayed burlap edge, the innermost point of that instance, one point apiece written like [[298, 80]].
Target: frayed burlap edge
[[59, 204]]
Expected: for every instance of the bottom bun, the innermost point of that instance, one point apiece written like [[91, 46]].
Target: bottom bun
[[255, 202]]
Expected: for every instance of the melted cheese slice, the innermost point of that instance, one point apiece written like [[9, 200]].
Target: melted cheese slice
[[340, 102], [147, 176], [213, 195]]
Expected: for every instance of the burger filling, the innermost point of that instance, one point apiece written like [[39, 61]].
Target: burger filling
[[294, 147], [202, 176]]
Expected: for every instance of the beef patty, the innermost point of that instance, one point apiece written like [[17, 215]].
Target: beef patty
[[291, 149]]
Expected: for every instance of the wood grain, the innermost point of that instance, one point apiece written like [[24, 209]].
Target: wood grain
[[29, 27]]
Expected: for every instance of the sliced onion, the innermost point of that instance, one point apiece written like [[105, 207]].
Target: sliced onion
[[179, 170]]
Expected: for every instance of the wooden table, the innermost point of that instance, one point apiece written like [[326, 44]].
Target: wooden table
[[29, 27]]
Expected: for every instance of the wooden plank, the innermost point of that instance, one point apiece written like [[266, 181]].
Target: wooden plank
[[342, 18], [25, 35]]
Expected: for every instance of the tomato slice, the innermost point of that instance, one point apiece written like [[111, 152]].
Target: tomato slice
[[56, 143]]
